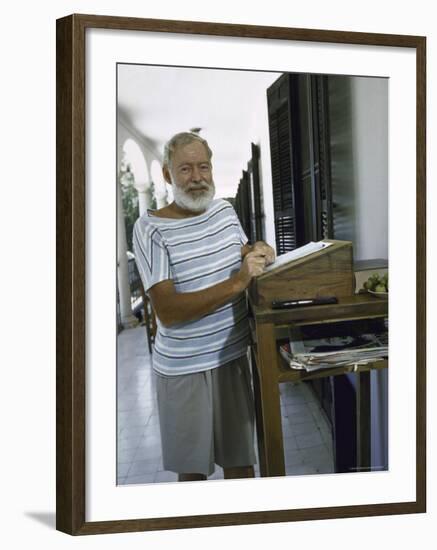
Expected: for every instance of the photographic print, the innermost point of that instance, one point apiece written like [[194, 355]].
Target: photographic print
[[298, 159]]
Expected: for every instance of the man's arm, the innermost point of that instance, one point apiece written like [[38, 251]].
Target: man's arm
[[176, 307]]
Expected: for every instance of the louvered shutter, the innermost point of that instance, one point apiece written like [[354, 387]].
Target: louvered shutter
[[321, 133], [255, 202], [281, 150], [299, 142]]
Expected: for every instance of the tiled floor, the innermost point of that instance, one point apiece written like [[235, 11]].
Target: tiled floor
[[307, 439]]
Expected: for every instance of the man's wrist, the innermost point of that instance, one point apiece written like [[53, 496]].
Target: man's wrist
[[240, 283]]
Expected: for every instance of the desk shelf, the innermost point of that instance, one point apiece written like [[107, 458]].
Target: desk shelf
[[287, 374]]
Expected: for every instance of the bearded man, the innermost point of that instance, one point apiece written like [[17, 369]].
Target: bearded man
[[195, 264]]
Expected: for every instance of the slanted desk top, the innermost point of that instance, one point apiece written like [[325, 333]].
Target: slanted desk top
[[327, 272]]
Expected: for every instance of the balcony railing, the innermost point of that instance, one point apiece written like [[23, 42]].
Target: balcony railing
[[140, 303]]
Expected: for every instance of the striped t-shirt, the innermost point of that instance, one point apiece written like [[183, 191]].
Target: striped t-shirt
[[196, 253]]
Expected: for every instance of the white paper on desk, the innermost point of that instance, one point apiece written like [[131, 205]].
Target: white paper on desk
[[297, 253]]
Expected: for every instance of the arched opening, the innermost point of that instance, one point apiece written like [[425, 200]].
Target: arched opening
[[160, 187], [134, 161]]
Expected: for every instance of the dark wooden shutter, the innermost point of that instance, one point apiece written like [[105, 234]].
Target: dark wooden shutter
[[243, 211], [322, 157], [281, 150], [299, 142], [255, 197], [248, 200]]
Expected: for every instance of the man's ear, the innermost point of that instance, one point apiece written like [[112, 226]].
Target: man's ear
[[166, 174]]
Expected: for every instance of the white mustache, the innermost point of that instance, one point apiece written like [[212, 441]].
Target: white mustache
[[197, 187]]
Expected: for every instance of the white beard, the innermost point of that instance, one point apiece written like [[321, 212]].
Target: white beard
[[185, 200]]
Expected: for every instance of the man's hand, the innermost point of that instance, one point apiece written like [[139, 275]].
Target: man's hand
[[252, 266], [263, 248]]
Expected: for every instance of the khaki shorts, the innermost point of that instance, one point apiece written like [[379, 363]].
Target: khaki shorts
[[207, 418]]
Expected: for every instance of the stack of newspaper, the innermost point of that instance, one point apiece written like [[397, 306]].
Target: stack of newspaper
[[335, 351]]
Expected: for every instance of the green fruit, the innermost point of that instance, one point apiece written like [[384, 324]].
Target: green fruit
[[380, 288], [371, 284]]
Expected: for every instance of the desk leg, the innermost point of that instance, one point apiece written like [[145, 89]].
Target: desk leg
[[363, 421], [258, 413], [273, 461]]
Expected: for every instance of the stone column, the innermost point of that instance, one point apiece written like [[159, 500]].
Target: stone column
[[144, 196], [161, 193], [127, 318], [159, 184]]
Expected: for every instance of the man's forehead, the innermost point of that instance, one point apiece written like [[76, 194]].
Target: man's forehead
[[194, 149], [190, 148]]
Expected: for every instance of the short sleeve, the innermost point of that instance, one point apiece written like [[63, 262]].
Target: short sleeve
[[151, 254], [242, 235]]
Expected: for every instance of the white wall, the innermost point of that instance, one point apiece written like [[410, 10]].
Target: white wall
[[370, 156], [358, 109], [28, 344]]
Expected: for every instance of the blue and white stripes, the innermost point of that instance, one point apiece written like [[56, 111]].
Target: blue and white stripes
[[195, 253]]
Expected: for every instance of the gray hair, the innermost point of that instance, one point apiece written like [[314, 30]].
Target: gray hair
[[183, 138]]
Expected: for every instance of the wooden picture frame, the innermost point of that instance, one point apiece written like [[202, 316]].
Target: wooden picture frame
[[71, 263]]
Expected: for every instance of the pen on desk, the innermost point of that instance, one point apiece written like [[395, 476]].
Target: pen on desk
[[295, 303], [322, 300]]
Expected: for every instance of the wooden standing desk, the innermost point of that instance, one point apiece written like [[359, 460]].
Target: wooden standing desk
[[269, 370]]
